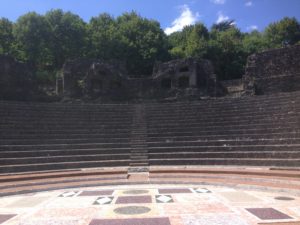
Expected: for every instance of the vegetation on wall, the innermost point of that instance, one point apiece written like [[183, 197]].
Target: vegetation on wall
[[47, 41]]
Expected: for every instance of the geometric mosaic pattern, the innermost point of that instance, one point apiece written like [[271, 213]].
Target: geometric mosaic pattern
[[201, 190], [96, 193], [68, 194], [268, 214], [151, 205], [164, 199], [174, 191], [215, 219], [144, 221], [134, 199], [5, 217], [103, 201]]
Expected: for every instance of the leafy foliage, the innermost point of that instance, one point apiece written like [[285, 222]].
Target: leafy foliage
[[6, 36], [48, 41], [67, 37], [31, 34], [284, 32]]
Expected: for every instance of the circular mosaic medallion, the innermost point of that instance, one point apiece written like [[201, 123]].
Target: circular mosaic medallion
[[135, 192], [284, 198], [132, 210]]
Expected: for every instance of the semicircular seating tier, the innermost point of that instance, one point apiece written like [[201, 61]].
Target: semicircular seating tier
[[248, 131]]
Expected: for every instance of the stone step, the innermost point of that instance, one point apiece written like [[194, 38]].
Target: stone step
[[138, 164], [138, 169], [142, 158], [139, 151], [227, 162], [232, 133], [186, 136], [138, 161], [213, 116], [226, 143], [61, 141], [40, 147], [62, 166], [55, 159], [224, 128], [62, 152], [237, 154], [274, 148]]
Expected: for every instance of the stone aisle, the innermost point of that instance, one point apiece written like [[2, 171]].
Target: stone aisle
[[151, 205]]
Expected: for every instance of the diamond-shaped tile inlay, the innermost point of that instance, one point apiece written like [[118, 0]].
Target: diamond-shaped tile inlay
[[103, 201], [134, 199], [164, 198], [142, 221], [174, 191], [201, 190], [96, 193], [268, 214], [5, 217], [69, 194]]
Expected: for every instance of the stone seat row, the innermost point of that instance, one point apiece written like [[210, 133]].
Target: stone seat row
[[252, 131]]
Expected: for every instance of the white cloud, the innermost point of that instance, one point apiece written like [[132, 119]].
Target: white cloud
[[218, 2], [252, 27], [248, 3], [187, 17], [221, 17]]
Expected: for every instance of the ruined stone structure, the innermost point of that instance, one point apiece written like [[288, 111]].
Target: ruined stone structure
[[276, 70], [96, 79], [16, 79], [186, 77], [234, 88]]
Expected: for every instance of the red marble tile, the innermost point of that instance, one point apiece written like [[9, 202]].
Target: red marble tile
[[134, 199], [174, 191], [5, 217], [96, 193], [144, 221], [268, 214]]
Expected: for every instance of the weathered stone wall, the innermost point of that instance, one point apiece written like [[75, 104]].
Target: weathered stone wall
[[16, 80], [276, 70], [74, 71], [234, 88], [90, 79], [184, 77]]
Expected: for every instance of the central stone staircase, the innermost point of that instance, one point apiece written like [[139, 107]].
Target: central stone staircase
[[139, 149]]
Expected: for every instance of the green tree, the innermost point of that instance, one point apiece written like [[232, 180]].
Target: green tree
[[143, 42], [197, 41], [254, 42], [32, 33], [223, 26], [6, 36], [192, 41], [67, 37], [226, 52], [105, 37], [284, 32], [176, 45]]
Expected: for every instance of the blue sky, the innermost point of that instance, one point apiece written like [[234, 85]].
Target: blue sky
[[172, 14]]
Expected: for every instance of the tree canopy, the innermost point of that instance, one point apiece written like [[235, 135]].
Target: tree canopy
[[47, 41]]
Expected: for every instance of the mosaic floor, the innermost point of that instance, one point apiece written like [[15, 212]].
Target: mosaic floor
[[151, 205]]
